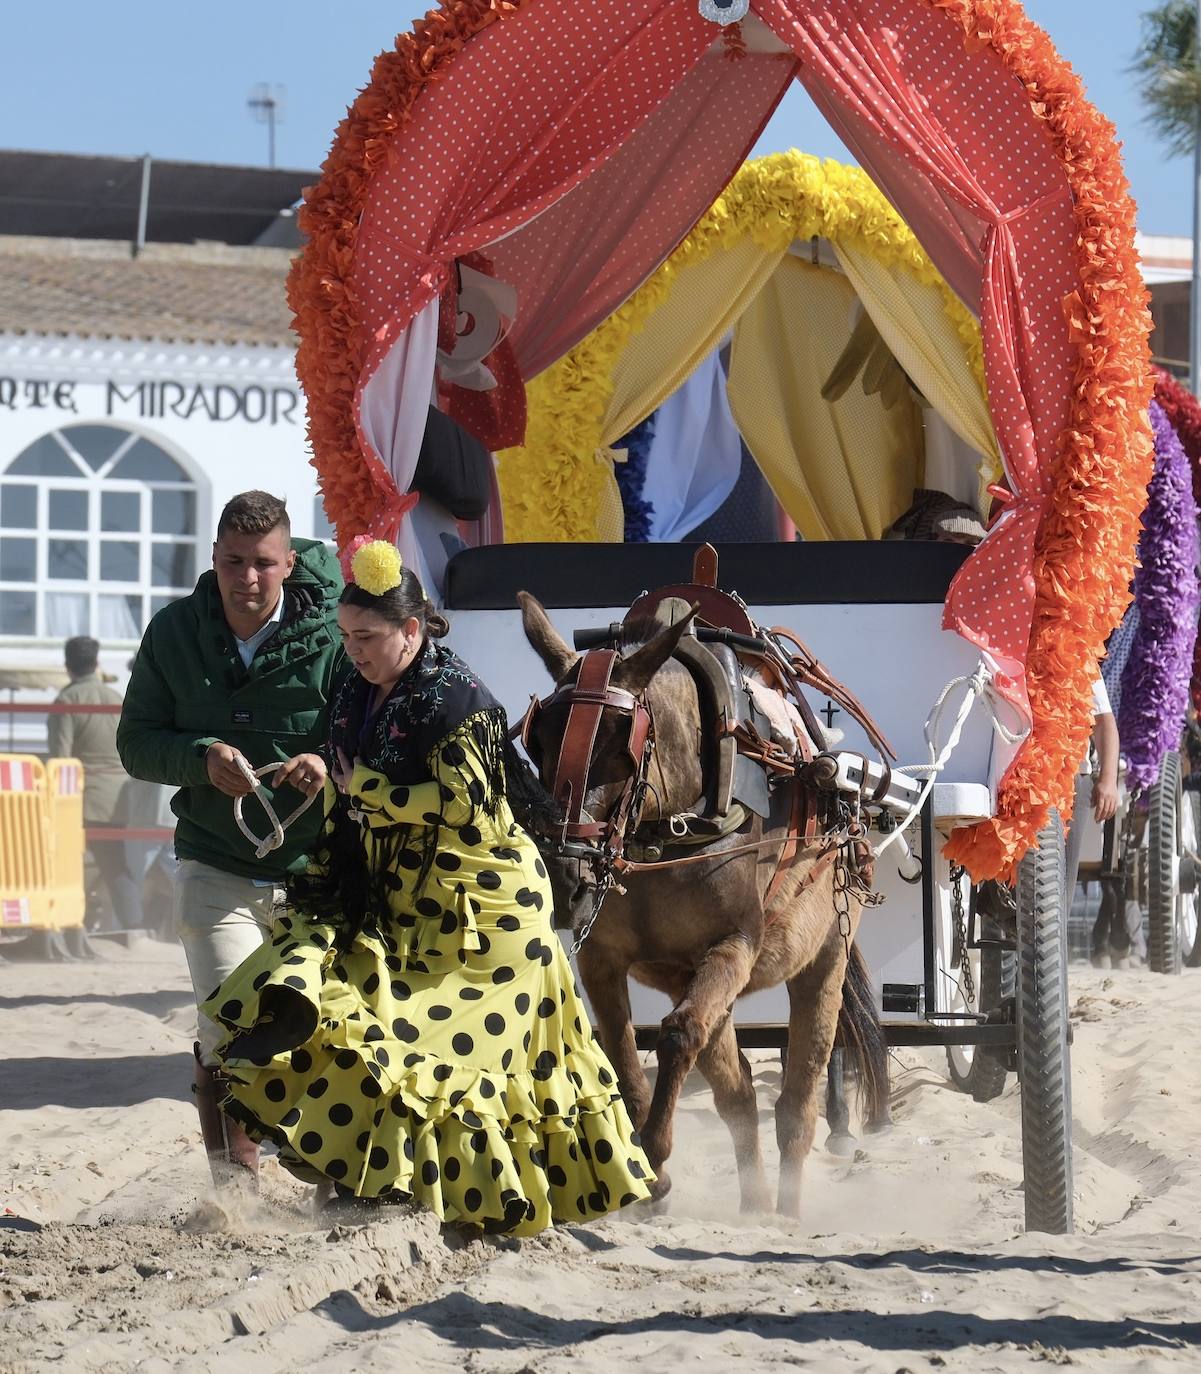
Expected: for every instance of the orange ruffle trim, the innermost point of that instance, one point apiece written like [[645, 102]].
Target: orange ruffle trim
[[357, 491], [1084, 551]]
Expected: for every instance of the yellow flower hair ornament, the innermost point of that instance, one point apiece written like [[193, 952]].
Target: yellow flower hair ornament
[[373, 564]]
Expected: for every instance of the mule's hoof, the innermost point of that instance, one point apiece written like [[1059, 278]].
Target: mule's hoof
[[841, 1145], [878, 1128], [660, 1189], [760, 1206]]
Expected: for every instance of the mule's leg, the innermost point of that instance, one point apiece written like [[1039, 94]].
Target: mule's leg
[[838, 1113], [720, 977], [729, 1075], [814, 998], [605, 977]]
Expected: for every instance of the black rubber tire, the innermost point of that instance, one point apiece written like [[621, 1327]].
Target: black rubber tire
[[1163, 845], [1044, 1057], [1190, 832], [985, 1079]]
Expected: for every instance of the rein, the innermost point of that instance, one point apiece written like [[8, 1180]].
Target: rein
[[602, 843], [264, 846]]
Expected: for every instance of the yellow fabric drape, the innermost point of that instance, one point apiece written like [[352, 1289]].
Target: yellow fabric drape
[[551, 487], [844, 469], [924, 339], [706, 302]]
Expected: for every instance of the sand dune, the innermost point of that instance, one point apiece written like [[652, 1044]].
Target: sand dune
[[910, 1256]]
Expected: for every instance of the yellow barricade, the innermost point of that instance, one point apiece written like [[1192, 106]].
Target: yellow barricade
[[26, 898], [64, 802]]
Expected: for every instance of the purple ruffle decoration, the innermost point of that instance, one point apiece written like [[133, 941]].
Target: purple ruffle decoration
[[1155, 682]]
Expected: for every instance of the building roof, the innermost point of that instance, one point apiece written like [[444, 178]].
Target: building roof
[[1165, 258], [65, 195], [203, 293]]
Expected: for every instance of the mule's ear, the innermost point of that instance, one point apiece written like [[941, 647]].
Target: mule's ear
[[636, 670], [544, 639]]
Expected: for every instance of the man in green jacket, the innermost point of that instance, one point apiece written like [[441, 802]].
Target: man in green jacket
[[236, 674]]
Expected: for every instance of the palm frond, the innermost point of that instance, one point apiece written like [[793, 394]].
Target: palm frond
[[1169, 77]]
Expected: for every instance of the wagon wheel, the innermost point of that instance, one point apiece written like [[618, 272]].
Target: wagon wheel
[[980, 1069], [1044, 1062], [1171, 877], [1190, 830]]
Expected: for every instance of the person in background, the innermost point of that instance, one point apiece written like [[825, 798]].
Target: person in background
[[92, 739], [1097, 781], [238, 674]]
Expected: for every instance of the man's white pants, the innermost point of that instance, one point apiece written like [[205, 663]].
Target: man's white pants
[[221, 919]]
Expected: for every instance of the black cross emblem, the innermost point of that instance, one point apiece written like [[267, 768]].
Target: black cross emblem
[[829, 710]]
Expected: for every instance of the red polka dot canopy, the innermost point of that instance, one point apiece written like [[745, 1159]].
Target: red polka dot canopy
[[516, 168]]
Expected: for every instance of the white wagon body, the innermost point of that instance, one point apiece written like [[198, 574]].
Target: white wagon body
[[896, 658]]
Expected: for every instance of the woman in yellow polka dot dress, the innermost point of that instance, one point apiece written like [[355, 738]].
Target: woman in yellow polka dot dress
[[412, 1031]]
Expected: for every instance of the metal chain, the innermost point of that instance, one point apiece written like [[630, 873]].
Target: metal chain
[[962, 953], [600, 892], [842, 896]]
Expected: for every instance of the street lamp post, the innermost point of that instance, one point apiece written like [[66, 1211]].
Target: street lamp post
[[267, 106]]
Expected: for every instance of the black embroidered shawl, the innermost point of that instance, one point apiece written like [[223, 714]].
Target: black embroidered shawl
[[435, 697], [431, 700]]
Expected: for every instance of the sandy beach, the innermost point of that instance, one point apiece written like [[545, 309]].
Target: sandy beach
[[910, 1256]]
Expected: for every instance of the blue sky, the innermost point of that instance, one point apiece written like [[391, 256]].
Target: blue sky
[[154, 76]]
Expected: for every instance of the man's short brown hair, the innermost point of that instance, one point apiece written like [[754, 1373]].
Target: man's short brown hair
[[81, 655], [254, 512]]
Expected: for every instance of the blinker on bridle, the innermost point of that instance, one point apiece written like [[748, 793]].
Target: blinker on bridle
[[598, 843]]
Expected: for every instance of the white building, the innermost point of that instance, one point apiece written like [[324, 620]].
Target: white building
[[142, 384], [1167, 264]]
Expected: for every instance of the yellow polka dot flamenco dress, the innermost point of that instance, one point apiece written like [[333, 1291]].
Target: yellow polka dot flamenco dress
[[412, 1030]]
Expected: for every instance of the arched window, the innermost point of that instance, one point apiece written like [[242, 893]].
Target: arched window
[[97, 531]]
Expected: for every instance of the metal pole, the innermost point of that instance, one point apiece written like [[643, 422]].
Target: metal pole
[[1195, 298], [271, 127], [144, 204]]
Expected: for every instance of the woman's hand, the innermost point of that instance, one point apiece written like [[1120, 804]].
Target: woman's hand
[[342, 769], [304, 772]]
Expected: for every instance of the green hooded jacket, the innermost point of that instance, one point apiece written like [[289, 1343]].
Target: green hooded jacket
[[190, 689]]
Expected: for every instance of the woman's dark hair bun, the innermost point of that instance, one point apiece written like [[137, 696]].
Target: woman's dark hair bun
[[436, 624]]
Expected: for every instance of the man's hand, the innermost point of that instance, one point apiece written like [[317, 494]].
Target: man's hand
[[1105, 800], [221, 760], [305, 772]]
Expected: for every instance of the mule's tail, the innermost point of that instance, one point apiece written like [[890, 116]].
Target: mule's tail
[[860, 1032]]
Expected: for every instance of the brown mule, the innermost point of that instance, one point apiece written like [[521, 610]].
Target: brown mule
[[705, 934]]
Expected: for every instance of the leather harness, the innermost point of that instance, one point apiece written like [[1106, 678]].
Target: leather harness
[[602, 843], [587, 698]]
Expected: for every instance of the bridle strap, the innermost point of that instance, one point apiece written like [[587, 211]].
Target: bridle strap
[[586, 699]]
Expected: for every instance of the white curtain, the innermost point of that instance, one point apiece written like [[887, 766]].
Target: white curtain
[[67, 615], [392, 412], [695, 454]]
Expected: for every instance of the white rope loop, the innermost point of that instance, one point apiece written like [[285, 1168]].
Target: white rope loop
[[980, 687], [263, 847]]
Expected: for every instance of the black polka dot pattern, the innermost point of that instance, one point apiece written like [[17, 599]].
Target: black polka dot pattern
[[458, 1005]]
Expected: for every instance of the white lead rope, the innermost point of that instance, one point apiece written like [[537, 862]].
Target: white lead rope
[[263, 847], [980, 687]]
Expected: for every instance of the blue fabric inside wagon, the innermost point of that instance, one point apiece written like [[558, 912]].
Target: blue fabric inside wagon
[[800, 574]]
